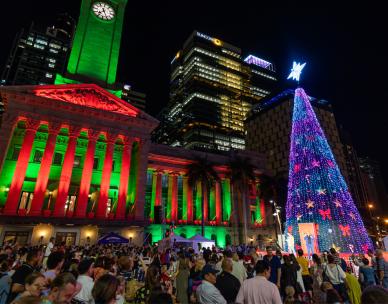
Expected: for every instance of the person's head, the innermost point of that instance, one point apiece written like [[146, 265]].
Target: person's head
[[269, 250], [235, 257], [199, 264], [35, 283], [300, 252], [316, 259], [370, 252], [279, 253], [287, 259], [374, 295], [63, 289], [379, 253], [290, 294], [365, 261], [152, 278], [52, 240], [55, 260], [227, 265], [85, 267], [330, 259], [34, 257], [183, 264], [208, 273], [262, 268], [333, 251], [105, 289], [332, 296]]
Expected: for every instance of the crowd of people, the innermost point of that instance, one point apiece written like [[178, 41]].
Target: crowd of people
[[108, 274]]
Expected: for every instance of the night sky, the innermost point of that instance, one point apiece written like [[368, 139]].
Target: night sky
[[345, 49]]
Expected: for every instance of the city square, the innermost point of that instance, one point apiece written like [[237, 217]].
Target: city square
[[237, 165]]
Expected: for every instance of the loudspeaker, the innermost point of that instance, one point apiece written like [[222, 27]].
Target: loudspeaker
[[157, 214]]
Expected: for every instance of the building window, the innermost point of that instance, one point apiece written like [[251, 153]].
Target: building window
[[15, 153], [38, 156], [68, 238], [13, 237], [109, 206], [95, 163], [25, 200], [77, 161], [57, 159], [70, 203]]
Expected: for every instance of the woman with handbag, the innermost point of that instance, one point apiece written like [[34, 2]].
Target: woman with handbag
[[334, 274]]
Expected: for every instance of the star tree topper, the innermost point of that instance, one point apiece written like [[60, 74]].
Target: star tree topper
[[296, 71]]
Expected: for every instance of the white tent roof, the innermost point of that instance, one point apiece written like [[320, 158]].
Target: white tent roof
[[179, 239], [200, 239]]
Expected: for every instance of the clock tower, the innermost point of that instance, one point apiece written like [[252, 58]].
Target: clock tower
[[96, 45]]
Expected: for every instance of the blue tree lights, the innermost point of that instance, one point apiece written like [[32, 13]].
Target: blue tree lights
[[318, 198]]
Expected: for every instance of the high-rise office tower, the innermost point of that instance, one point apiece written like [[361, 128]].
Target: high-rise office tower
[[269, 127], [37, 55], [212, 88]]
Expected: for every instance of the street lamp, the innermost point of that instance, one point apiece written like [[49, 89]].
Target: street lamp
[[277, 215]]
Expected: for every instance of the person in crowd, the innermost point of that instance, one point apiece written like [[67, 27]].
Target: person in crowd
[[331, 294], [290, 296], [289, 276], [120, 298], [195, 278], [182, 280], [275, 266], [337, 259], [5, 278], [334, 274], [299, 277], [227, 283], [63, 289], [85, 278], [316, 271], [366, 274], [105, 289], [307, 279], [28, 300], [54, 265], [280, 256], [239, 270], [100, 267], [47, 251], [33, 260], [207, 293], [259, 289], [374, 295], [35, 283], [381, 269], [152, 285], [353, 287]]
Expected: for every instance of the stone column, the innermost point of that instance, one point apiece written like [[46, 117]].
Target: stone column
[[87, 171], [13, 198], [67, 169], [44, 170], [142, 178], [124, 178], [8, 125], [106, 174], [158, 197], [218, 204], [189, 203], [205, 199], [174, 197]]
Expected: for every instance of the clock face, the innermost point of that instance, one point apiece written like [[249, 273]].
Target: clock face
[[103, 10]]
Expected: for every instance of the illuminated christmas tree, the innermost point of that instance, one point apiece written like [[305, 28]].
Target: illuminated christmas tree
[[318, 201]]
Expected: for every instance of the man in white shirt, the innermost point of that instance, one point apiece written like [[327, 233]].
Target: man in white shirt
[[259, 289], [239, 270], [85, 270], [207, 293], [47, 252]]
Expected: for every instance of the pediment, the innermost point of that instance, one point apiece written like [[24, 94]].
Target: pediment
[[87, 95]]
